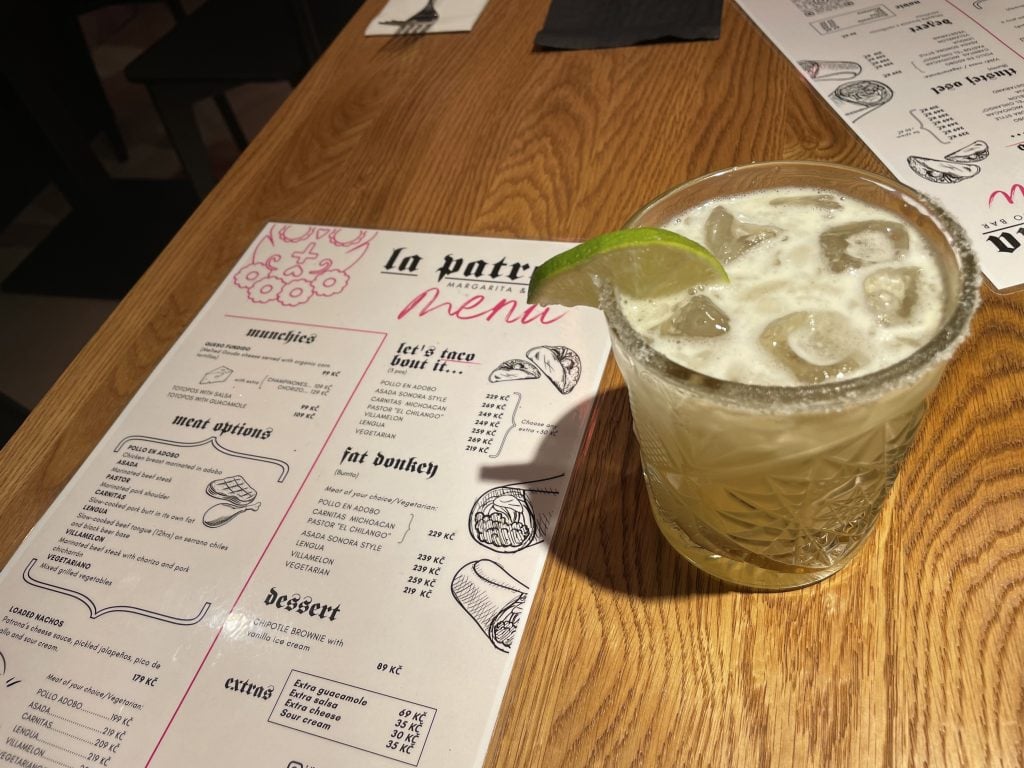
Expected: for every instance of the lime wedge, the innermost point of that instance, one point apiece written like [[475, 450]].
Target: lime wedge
[[643, 263]]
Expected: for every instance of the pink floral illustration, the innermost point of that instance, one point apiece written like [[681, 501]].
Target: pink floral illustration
[[267, 289], [292, 264]]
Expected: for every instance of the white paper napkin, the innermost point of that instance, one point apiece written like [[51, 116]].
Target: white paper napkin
[[453, 15]]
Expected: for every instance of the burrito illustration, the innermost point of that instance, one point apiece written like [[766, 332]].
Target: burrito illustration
[[866, 93], [505, 520], [830, 70], [502, 519], [493, 597]]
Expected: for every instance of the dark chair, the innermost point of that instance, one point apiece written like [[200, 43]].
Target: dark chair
[[79, 257], [223, 44], [11, 416], [66, 15], [85, 6]]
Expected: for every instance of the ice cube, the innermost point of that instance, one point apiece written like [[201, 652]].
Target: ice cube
[[891, 292], [851, 246], [727, 237], [815, 346], [825, 202], [699, 316]]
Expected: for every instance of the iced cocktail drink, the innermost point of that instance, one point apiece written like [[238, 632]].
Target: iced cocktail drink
[[773, 412]]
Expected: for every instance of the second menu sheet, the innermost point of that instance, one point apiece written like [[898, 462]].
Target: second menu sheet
[[936, 89], [314, 535]]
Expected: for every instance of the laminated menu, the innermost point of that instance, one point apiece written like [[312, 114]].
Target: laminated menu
[[936, 89], [314, 535]]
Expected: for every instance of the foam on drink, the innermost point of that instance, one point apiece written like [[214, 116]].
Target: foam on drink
[[822, 288]]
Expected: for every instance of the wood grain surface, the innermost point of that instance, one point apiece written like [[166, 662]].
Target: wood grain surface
[[912, 656]]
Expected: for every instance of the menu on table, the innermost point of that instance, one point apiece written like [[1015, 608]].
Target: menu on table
[[313, 536], [936, 89]]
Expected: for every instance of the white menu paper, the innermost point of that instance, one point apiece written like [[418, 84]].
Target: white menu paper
[[936, 89], [313, 536]]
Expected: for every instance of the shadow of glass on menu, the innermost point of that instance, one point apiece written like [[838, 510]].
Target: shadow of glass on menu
[[605, 530]]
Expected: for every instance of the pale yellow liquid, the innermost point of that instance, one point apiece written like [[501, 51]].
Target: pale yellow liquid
[[766, 498]]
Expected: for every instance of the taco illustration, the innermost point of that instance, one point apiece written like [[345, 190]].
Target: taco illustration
[[942, 171], [514, 370], [559, 364], [974, 152]]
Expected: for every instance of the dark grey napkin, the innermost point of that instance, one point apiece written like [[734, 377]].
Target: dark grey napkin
[[577, 24]]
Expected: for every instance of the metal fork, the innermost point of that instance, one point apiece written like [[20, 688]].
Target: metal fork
[[417, 24]]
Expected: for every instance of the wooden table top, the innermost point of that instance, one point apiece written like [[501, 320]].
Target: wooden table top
[[910, 656]]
